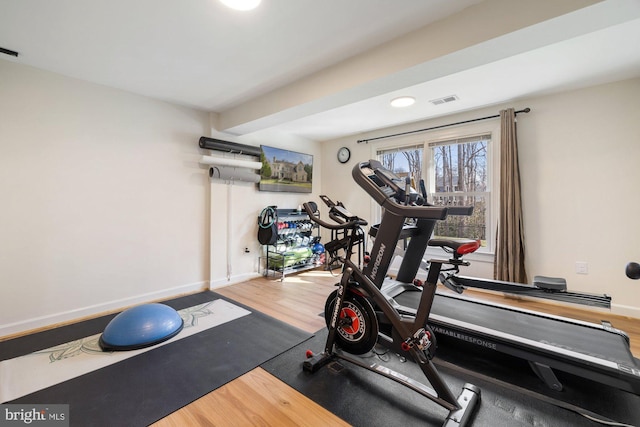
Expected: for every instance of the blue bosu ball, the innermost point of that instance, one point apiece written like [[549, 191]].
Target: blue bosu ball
[[141, 326]]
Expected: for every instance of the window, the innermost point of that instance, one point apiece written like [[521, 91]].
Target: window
[[457, 172], [459, 176], [404, 161]]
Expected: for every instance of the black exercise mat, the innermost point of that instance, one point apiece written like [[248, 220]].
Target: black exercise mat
[[140, 390], [363, 398]]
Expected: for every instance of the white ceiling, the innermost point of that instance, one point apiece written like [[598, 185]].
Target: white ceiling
[[578, 62], [200, 54]]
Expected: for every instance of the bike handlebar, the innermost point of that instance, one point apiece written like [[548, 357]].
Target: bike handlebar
[[353, 223]]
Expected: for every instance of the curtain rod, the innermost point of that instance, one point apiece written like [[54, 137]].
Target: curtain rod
[[526, 110]]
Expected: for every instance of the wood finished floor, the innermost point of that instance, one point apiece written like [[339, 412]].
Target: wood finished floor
[[258, 398]]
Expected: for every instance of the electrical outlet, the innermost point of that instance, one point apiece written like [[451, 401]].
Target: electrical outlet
[[582, 267]]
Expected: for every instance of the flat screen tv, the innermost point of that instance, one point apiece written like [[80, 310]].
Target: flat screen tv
[[284, 170]]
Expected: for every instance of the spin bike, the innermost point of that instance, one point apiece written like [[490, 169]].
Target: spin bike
[[352, 321], [596, 352]]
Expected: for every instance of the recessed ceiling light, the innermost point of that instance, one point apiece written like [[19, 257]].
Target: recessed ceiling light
[[241, 4], [403, 101]]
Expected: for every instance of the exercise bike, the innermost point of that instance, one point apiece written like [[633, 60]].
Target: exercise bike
[[354, 325], [548, 343]]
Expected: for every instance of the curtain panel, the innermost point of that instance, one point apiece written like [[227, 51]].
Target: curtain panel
[[509, 256]]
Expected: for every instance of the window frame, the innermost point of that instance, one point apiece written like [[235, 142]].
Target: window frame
[[487, 193], [491, 127]]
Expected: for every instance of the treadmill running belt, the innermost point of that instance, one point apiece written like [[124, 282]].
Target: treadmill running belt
[[580, 348], [595, 342]]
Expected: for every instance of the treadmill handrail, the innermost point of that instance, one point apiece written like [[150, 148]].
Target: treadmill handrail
[[460, 210], [593, 300], [387, 202]]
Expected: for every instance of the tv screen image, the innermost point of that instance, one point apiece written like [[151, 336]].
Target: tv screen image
[[284, 170]]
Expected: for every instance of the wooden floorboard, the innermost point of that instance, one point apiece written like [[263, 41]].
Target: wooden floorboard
[[254, 399], [258, 398], [297, 300]]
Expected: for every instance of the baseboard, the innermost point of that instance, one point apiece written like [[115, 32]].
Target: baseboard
[[219, 283], [625, 310], [57, 319]]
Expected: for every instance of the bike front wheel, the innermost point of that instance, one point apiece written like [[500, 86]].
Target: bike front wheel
[[357, 329]]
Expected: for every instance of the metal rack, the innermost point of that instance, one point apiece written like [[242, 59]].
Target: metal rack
[[293, 251]]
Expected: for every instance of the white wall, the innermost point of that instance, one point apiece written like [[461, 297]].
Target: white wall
[[579, 157], [102, 201], [231, 264]]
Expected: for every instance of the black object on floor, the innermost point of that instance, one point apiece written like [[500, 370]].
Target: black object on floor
[[365, 399], [143, 389]]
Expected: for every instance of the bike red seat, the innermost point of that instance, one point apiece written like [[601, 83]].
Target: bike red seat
[[458, 246]]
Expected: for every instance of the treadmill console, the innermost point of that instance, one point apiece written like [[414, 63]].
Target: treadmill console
[[384, 185], [391, 184], [393, 192]]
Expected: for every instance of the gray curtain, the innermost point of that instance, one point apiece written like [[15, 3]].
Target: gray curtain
[[509, 258]]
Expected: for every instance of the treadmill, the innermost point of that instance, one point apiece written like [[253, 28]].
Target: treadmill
[[598, 352]]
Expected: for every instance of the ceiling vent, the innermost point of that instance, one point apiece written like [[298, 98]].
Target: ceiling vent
[[444, 100]]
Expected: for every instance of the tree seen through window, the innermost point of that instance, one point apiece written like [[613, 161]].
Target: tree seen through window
[[458, 176]]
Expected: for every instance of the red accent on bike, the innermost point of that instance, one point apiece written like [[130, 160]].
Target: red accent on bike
[[355, 322], [468, 248], [357, 292], [417, 282], [405, 346]]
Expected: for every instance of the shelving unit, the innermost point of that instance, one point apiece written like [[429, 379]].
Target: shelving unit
[[293, 252]]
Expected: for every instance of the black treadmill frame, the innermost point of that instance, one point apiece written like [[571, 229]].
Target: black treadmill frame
[[542, 357]]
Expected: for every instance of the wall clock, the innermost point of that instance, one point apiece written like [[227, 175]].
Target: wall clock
[[344, 155]]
